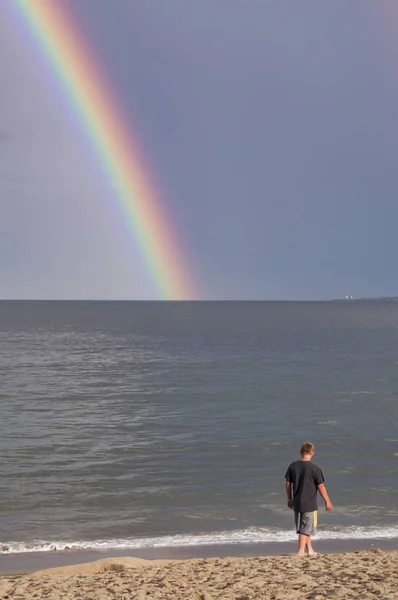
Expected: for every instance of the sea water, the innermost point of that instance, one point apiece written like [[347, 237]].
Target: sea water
[[151, 424]]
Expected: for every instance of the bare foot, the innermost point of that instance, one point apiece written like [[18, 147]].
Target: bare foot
[[312, 552], [301, 553]]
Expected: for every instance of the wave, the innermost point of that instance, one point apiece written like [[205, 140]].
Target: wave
[[252, 535]]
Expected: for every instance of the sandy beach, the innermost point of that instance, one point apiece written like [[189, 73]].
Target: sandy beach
[[362, 574]]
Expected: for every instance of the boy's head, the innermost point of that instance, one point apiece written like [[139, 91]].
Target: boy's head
[[307, 449]]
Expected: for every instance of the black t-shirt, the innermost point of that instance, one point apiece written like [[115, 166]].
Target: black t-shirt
[[305, 477]]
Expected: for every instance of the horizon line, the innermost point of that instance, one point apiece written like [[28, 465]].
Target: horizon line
[[339, 299]]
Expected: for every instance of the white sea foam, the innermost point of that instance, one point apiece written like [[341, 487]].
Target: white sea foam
[[357, 392], [253, 535]]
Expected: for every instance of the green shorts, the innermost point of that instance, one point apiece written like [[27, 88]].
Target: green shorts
[[306, 522]]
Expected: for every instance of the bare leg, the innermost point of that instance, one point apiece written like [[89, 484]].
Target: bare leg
[[302, 541], [311, 551], [305, 544]]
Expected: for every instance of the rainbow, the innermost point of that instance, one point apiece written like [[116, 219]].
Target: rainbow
[[86, 89]]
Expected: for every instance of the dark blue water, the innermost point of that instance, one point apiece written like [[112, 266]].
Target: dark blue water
[[136, 424]]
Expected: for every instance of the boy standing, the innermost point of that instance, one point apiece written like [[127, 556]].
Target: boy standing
[[303, 481]]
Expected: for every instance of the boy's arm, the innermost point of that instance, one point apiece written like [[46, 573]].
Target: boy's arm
[[289, 494], [322, 490]]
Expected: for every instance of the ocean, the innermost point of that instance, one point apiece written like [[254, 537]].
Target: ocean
[[131, 425]]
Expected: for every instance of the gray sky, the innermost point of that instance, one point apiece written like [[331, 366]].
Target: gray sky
[[271, 129]]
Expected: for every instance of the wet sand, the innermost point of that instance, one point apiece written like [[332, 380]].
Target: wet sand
[[365, 574], [35, 561]]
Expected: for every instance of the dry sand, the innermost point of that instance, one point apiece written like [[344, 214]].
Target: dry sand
[[371, 574]]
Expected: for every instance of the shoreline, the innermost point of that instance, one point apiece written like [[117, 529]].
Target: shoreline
[[338, 576], [29, 562]]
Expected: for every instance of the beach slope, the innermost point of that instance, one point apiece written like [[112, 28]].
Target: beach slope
[[371, 574]]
